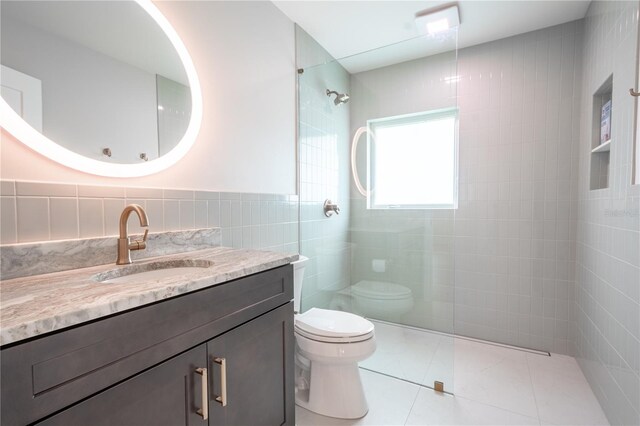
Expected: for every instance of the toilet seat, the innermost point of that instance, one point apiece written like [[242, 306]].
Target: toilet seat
[[381, 290], [329, 326], [326, 339]]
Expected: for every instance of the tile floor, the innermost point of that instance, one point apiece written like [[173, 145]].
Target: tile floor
[[493, 385]]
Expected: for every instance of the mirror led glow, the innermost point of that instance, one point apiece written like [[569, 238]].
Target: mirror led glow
[[35, 140]]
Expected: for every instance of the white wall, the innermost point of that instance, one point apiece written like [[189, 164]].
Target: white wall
[[92, 88], [245, 59]]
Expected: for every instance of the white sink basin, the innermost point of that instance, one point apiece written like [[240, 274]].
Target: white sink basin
[[153, 271]]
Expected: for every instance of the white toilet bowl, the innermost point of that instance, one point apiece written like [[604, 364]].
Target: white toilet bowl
[[382, 300], [333, 343], [376, 299], [329, 345]]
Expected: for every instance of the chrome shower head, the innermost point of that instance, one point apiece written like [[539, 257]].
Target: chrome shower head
[[341, 98]]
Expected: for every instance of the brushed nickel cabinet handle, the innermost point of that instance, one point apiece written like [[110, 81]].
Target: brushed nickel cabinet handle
[[634, 93], [222, 398], [204, 411]]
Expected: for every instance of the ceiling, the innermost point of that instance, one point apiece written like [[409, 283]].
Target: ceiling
[[346, 28], [121, 30]]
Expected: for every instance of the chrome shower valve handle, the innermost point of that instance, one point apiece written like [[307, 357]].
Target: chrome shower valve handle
[[330, 208]]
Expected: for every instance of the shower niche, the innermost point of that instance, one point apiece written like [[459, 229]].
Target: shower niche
[[601, 135]]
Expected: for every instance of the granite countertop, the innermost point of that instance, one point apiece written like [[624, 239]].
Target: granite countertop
[[31, 306]]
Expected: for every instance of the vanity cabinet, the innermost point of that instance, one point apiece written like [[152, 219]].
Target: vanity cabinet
[[161, 364], [164, 395], [256, 389]]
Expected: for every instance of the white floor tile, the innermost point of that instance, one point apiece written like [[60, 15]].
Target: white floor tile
[[564, 365], [442, 367], [402, 352], [390, 401], [432, 408], [493, 385], [562, 393], [495, 376]]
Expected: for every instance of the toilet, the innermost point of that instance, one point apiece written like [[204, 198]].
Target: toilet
[[375, 299], [381, 300], [329, 345]]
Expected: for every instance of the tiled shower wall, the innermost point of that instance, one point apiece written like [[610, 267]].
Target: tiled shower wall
[[323, 162], [515, 228], [33, 211], [608, 237], [414, 247], [513, 235]]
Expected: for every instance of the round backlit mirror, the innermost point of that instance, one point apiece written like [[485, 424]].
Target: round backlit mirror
[[105, 87]]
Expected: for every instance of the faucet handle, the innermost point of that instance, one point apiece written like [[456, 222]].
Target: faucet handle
[[330, 208], [140, 244], [137, 245]]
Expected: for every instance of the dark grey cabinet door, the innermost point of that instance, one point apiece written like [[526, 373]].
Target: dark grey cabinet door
[[167, 394], [259, 372]]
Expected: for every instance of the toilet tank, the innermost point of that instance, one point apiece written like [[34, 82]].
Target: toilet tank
[[298, 276]]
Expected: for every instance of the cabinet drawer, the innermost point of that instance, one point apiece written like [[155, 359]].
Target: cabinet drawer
[[165, 395], [42, 376]]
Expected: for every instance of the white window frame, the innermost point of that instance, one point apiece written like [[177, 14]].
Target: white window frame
[[407, 119]]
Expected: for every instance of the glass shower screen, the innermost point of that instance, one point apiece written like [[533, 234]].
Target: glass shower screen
[[387, 156]]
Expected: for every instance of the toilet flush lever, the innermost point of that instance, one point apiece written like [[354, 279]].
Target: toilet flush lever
[[330, 208]]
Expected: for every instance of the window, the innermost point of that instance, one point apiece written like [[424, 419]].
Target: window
[[413, 161]]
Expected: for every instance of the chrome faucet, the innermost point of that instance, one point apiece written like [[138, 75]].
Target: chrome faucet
[[124, 245]]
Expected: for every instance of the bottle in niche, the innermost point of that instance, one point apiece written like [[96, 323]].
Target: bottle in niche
[[605, 122]]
